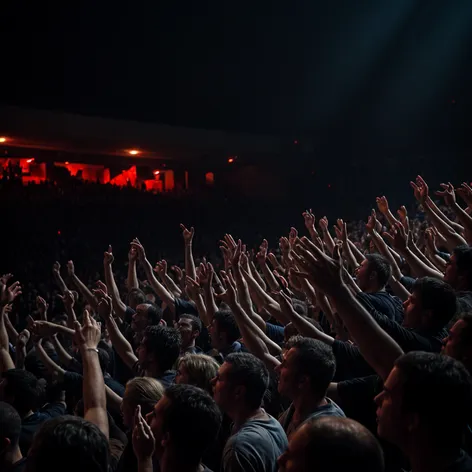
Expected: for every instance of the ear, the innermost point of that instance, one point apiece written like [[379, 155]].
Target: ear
[[195, 334]]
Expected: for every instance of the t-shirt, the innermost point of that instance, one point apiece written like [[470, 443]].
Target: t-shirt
[[73, 383], [349, 362], [330, 409], [275, 332], [255, 447], [166, 379], [383, 302], [220, 356], [32, 423]]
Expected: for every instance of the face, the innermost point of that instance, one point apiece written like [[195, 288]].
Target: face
[[451, 275], [222, 389], [184, 325], [140, 319], [453, 345], [362, 275], [155, 419], [391, 419], [288, 377], [182, 376], [294, 458], [412, 311]]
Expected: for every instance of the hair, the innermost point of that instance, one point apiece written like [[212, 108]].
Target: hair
[[164, 343], [437, 296], [300, 307], [428, 380], [23, 386], [250, 372], [316, 360], [466, 333], [192, 420], [463, 255], [138, 294], [340, 444], [201, 370], [144, 391], [68, 443], [194, 321], [10, 424], [226, 323], [380, 265], [154, 313]]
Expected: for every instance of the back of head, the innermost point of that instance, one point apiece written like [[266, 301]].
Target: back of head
[[427, 381], [340, 444], [380, 265], [144, 391], [154, 313], [164, 343], [192, 419], [21, 390], [251, 373], [316, 360], [10, 428], [438, 297], [463, 256], [68, 443], [200, 369], [226, 323]]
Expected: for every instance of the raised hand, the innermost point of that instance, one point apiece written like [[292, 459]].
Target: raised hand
[[310, 219], [5, 278], [135, 244], [382, 204], [187, 234], [8, 294], [261, 256], [193, 287], [70, 268], [101, 286], [465, 192], [284, 245], [431, 241], [23, 339], [88, 335], [143, 439], [324, 224], [371, 222], [205, 277], [56, 268], [67, 299], [108, 257], [292, 236], [105, 305], [6, 309], [448, 193], [161, 268], [229, 296], [399, 239], [132, 255], [41, 305], [421, 189], [178, 272]]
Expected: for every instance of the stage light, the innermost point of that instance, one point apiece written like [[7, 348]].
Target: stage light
[[67, 163], [133, 152], [29, 161], [3, 139], [230, 160], [157, 172]]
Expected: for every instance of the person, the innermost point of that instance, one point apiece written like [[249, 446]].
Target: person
[[458, 342], [68, 443], [459, 275], [407, 411], [11, 459], [190, 328], [224, 334], [198, 370], [372, 277], [182, 426], [22, 390], [257, 438], [305, 374], [332, 444]]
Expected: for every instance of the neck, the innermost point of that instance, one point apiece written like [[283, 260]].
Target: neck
[[241, 415], [170, 463], [375, 289], [305, 404], [189, 345], [11, 457], [152, 370]]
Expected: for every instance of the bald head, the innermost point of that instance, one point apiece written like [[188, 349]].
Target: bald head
[[332, 444]]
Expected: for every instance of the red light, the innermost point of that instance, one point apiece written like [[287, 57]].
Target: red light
[[67, 163], [29, 161], [157, 172], [230, 160], [58, 233]]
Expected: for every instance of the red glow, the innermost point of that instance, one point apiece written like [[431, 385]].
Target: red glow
[[3, 139], [67, 163], [157, 172], [230, 160], [29, 161], [58, 233]]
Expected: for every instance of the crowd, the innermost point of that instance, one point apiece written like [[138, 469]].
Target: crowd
[[350, 347]]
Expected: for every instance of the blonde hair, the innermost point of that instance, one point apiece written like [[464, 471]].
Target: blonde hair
[[144, 391], [200, 369]]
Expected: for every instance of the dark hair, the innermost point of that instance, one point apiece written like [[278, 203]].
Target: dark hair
[[437, 296], [249, 371], [10, 424], [154, 313], [466, 333], [138, 294], [68, 443], [463, 255], [226, 323], [316, 360], [24, 388], [340, 444], [194, 321], [164, 343], [300, 307], [429, 379], [380, 265], [192, 420]]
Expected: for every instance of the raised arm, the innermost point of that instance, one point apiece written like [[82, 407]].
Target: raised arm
[[206, 281], [50, 365], [189, 262], [161, 271], [69, 302], [112, 289], [327, 238], [6, 362], [261, 258], [132, 281], [56, 272], [81, 287]]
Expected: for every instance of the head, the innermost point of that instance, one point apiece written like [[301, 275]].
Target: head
[[458, 344], [224, 330], [143, 391], [307, 369], [185, 423], [431, 305], [459, 269], [407, 408], [190, 328], [20, 389], [240, 383], [146, 315], [10, 429], [136, 297], [198, 370], [159, 348], [68, 443], [373, 274], [332, 445], [290, 330]]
